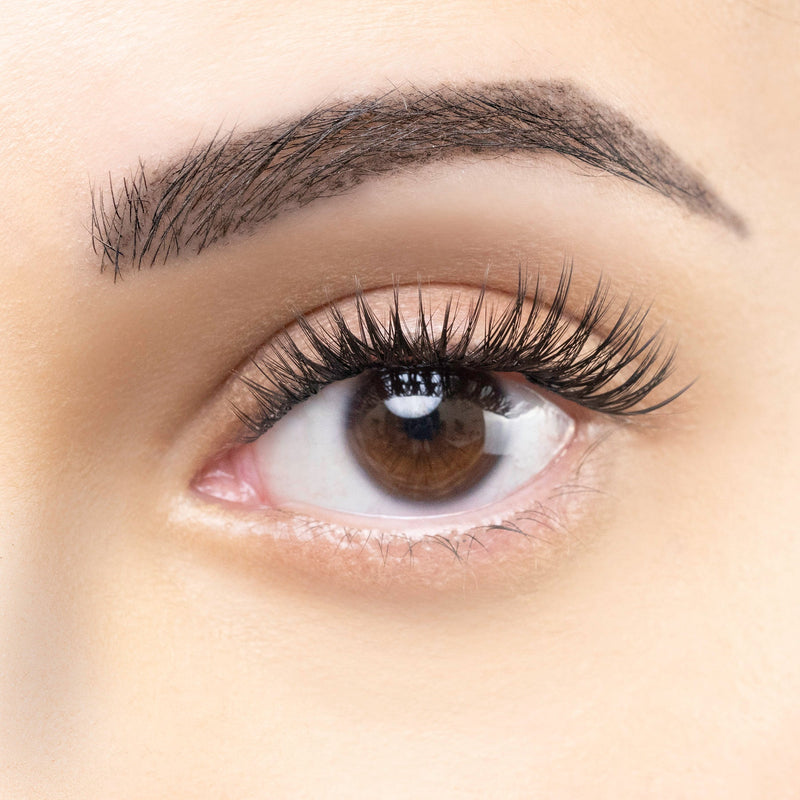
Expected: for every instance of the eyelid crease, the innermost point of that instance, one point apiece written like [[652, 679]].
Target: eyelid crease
[[542, 340]]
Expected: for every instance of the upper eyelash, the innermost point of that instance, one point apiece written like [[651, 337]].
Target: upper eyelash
[[542, 342]]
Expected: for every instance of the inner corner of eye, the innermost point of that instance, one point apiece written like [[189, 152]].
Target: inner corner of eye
[[232, 476], [398, 442]]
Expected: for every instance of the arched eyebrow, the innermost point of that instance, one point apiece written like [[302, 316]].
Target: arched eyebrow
[[236, 183]]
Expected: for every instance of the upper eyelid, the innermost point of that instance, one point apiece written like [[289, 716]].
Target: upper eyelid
[[530, 335]]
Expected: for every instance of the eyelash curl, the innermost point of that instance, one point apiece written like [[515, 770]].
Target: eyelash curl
[[614, 374]]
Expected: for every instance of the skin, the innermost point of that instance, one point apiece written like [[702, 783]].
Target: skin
[[146, 655]]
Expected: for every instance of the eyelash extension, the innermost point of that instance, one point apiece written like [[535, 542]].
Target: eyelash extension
[[537, 339]]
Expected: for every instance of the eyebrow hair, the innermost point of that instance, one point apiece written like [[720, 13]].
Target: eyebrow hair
[[239, 181]]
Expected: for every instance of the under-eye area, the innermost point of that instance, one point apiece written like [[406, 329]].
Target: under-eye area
[[420, 427]]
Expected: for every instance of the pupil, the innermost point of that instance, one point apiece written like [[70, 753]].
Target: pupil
[[423, 429], [420, 434]]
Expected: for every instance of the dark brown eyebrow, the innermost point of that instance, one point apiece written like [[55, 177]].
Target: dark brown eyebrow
[[238, 182]]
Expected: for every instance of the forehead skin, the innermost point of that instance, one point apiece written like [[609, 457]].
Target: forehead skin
[[662, 662]]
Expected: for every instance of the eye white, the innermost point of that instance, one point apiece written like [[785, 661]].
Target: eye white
[[305, 460]]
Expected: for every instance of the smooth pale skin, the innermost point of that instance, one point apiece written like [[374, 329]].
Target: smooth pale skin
[[661, 659]]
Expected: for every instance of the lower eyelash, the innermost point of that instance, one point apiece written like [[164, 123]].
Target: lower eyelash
[[534, 533], [616, 374]]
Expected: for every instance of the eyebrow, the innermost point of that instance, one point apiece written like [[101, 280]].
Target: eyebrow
[[238, 182]]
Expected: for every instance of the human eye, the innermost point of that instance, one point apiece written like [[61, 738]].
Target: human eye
[[425, 428], [411, 443]]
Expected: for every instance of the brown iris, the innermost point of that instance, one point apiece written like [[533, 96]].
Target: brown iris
[[420, 434]]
